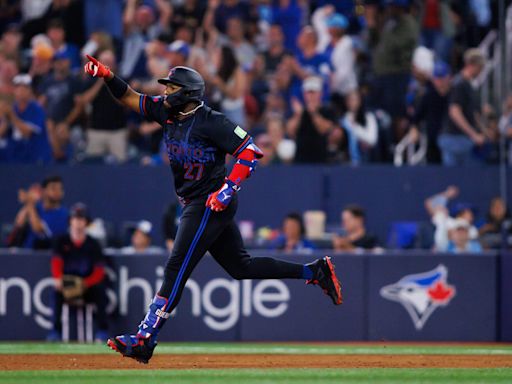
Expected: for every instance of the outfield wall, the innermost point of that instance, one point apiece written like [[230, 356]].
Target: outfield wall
[[128, 193], [413, 296]]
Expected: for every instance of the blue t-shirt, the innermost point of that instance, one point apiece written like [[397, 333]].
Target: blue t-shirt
[[289, 19], [60, 94], [34, 149], [317, 65], [55, 222]]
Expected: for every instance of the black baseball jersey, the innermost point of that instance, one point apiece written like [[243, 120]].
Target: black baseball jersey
[[196, 146], [80, 259]]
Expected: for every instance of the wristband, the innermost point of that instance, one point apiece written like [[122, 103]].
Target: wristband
[[117, 86]]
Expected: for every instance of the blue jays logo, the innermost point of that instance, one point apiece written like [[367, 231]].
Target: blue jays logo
[[421, 294]]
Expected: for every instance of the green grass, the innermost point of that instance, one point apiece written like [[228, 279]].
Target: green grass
[[265, 348], [250, 376]]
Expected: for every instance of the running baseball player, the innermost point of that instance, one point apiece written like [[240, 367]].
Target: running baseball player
[[197, 141]]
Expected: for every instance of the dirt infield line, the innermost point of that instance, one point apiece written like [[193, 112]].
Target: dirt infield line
[[194, 361]]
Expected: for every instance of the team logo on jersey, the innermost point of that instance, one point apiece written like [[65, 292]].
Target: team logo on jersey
[[421, 294], [240, 132]]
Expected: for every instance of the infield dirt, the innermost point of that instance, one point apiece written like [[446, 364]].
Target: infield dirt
[[192, 361]]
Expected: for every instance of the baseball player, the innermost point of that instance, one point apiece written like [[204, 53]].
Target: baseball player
[[197, 140]]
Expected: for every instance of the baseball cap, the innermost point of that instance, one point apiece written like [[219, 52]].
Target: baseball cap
[[312, 83], [441, 69], [145, 227], [423, 60], [179, 46], [461, 207], [337, 20], [22, 79], [79, 210]]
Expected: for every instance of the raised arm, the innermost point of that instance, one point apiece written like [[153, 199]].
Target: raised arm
[[119, 89]]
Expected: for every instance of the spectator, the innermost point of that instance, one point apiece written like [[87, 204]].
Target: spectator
[[10, 43], [293, 237], [437, 28], [42, 214], [275, 130], [289, 15], [58, 92], [432, 112], [361, 129], [78, 255], [460, 240], [264, 142], [141, 240], [258, 89], [219, 12], [464, 130], [497, 224], [97, 43], [141, 27], [244, 52], [392, 45], [57, 35], [107, 134], [355, 236], [313, 126], [8, 70], [308, 62], [28, 140], [229, 83], [437, 207], [41, 65], [505, 125], [104, 15], [189, 14], [276, 50], [177, 53], [338, 47]]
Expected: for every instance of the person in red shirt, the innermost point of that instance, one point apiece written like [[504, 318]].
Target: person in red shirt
[[78, 254]]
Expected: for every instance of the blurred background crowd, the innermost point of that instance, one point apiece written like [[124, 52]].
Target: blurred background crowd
[[329, 82], [314, 82]]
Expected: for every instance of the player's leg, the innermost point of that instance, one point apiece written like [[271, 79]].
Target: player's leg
[[198, 228], [229, 251], [98, 295], [57, 303]]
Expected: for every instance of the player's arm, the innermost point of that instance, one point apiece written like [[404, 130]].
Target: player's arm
[[247, 156], [57, 265], [98, 271], [118, 87]]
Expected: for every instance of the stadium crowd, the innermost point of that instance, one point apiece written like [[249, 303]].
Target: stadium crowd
[[313, 81]]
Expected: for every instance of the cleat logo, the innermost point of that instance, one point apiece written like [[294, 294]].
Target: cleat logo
[[162, 314], [421, 294]]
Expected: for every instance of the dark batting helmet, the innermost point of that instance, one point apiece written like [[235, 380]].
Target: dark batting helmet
[[192, 84]]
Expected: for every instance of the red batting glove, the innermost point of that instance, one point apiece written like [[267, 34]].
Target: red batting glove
[[214, 204], [95, 68], [219, 200]]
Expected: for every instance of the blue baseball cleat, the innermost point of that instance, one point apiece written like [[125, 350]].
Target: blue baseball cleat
[[133, 346]]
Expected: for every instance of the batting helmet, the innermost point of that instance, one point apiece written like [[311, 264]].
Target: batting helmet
[[192, 84]]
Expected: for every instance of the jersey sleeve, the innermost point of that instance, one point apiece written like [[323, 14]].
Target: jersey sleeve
[[152, 108], [228, 136]]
